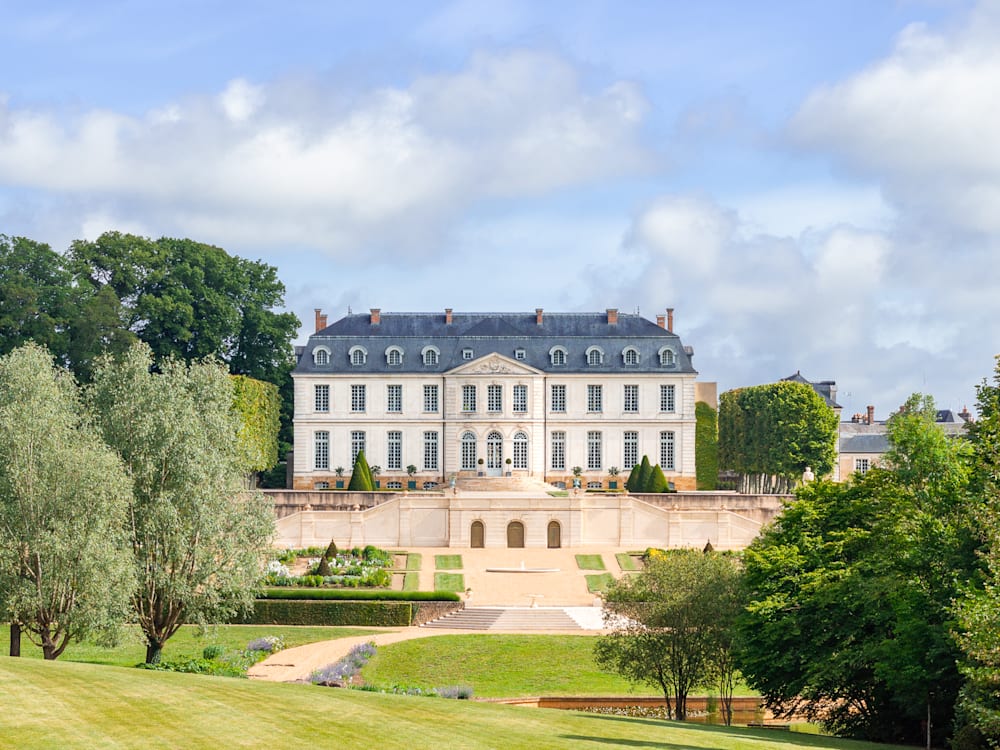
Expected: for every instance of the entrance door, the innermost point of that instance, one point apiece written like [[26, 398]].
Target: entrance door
[[515, 534], [494, 454], [478, 534], [555, 535]]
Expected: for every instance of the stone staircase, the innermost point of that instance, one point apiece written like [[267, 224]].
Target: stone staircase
[[501, 618], [503, 484]]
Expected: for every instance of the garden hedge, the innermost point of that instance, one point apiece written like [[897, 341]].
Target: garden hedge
[[306, 612], [358, 595]]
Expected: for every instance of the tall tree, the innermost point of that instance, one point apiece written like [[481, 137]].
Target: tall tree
[[34, 295], [64, 569], [198, 538]]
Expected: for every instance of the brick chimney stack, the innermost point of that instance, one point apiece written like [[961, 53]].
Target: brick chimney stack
[[538, 315], [447, 315], [612, 317], [670, 319], [871, 415], [320, 319], [376, 316], [661, 321]]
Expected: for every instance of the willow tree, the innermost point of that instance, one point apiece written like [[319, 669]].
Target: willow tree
[[64, 567], [198, 536]]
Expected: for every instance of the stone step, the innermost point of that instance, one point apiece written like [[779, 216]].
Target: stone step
[[496, 618]]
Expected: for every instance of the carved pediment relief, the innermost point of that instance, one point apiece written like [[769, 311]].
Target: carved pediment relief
[[494, 364]]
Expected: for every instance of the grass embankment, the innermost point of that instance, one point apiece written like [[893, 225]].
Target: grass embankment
[[69, 705], [187, 643]]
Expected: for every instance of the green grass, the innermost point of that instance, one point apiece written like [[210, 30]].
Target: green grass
[[411, 581], [187, 643], [414, 560], [626, 562], [557, 493], [68, 705], [590, 562], [449, 582], [448, 562], [599, 582]]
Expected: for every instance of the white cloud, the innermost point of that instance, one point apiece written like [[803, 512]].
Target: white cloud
[[297, 162]]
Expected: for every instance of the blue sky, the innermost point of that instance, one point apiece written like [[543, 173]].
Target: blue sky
[[812, 186]]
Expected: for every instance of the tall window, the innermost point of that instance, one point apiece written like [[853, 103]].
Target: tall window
[[494, 398], [430, 398], [520, 450], [559, 450], [667, 452], [595, 452], [322, 455], [431, 450], [357, 444], [520, 399], [468, 451], [357, 398], [321, 395], [394, 398], [861, 465], [631, 398], [468, 398], [595, 398], [631, 456], [558, 398], [394, 452], [667, 398]]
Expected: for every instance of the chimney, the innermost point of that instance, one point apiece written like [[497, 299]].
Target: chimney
[[538, 315], [670, 319], [376, 316], [612, 317], [965, 415], [661, 321], [871, 415], [447, 315], [320, 319]]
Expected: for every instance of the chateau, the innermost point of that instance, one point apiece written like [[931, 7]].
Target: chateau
[[463, 395]]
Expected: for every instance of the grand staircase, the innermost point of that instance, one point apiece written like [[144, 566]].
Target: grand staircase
[[503, 484], [500, 618]]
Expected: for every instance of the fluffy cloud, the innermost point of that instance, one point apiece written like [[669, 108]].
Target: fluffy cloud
[[303, 163]]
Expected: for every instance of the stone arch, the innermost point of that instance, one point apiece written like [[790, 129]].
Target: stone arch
[[515, 534], [477, 534]]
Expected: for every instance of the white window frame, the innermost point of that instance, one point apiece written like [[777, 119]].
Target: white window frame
[[630, 449], [595, 356], [431, 442], [557, 398], [467, 354], [394, 356], [359, 442], [557, 356], [595, 398], [630, 398], [431, 355], [321, 355], [668, 357], [394, 398], [469, 399], [431, 401], [630, 353], [321, 450], [321, 397], [357, 355], [469, 451], [862, 465], [520, 452], [595, 450], [519, 398], [359, 399], [668, 398], [394, 450], [558, 458], [520, 354], [494, 398], [668, 450]]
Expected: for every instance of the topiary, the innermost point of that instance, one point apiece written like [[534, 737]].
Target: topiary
[[323, 569], [657, 482], [361, 477], [331, 550], [645, 474], [632, 483]]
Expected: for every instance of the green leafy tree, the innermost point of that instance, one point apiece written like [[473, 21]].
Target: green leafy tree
[[770, 433], [666, 623], [65, 573], [706, 446], [35, 303], [198, 538], [361, 475], [258, 406]]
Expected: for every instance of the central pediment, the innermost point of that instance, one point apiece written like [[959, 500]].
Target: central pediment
[[494, 364]]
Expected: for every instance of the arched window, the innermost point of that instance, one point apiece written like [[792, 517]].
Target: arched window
[[431, 355], [667, 356], [595, 355], [554, 535], [468, 451], [394, 355], [520, 450], [515, 534], [358, 355], [478, 534], [630, 355], [321, 355], [558, 355]]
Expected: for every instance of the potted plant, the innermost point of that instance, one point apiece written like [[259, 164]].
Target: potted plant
[[339, 471], [375, 469], [508, 462], [480, 462], [613, 472], [411, 469], [577, 473]]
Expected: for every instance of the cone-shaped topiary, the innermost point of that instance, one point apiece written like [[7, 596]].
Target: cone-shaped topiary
[[361, 476], [632, 483], [645, 474], [657, 482], [331, 550], [323, 569]]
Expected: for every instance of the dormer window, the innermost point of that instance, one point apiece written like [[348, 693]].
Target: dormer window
[[557, 355], [595, 356], [358, 355], [630, 355], [519, 354], [394, 355], [467, 354], [321, 355], [667, 357], [431, 355]]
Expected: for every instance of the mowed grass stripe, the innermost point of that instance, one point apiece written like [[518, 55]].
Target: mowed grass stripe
[[590, 562], [448, 562]]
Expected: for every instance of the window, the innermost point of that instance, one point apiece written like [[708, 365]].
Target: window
[[394, 398], [394, 355], [519, 354], [667, 357], [631, 456], [667, 398], [357, 398], [594, 485], [595, 451], [631, 356], [558, 398], [321, 486], [394, 485], [357, 444], [595, 356], [558, 355], [559, 450], [494, 398], [468, 452], [431, 355], [431, 450], [358, 355], [595, 398], [321, 356], [321, 399], [468, 398], [862, 465], [394, 454], [667, 451], [520, 450], [520, 399], [430, 398], [467, 354], [322, 454], [631, 398]]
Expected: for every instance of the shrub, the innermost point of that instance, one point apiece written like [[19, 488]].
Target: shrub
[[364, 595], [657, 482], [213, 651], [343, 670], [456, 692], [361, 476], [331, 550], [268, 644]]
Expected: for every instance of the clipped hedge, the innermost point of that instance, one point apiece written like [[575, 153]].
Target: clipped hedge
[[358, 595], [313, 612]]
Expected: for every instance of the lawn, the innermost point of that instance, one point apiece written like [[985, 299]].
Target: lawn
[[590, 562], [449, 582], [69, 705], [448, 562], [414, 560], [626, 562], [411, 581], [599, 582], [187, 643]]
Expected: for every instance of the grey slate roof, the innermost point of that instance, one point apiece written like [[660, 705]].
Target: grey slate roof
[[825, 388], [502, 333], [877, 443]]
